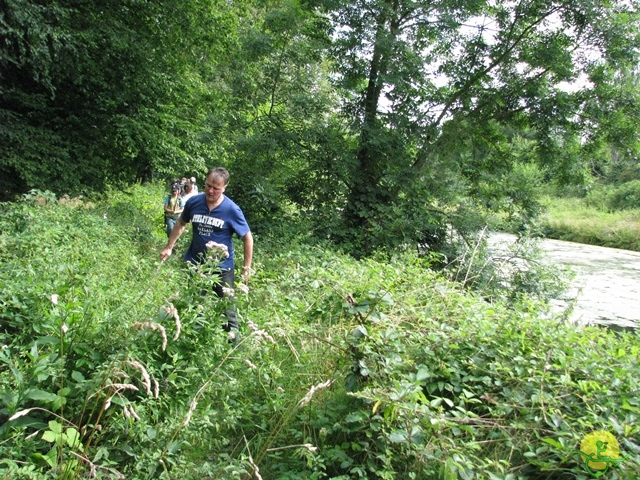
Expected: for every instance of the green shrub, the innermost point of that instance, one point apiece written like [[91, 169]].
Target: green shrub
[[625, 196]]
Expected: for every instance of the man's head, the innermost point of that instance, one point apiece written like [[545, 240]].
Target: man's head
[[219, 173], [192, 180], [215, 184], [175, 188], [188, 187]]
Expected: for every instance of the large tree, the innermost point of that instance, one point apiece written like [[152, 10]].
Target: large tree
[[431, 89]]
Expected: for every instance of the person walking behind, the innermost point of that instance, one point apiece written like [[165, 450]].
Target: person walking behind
[[173, 205], [194, 187], [215, 218], [188, 192]]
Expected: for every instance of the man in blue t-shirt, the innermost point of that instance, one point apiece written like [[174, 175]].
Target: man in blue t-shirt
[[215, 218]]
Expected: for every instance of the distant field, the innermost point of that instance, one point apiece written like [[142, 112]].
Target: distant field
[[570, 219]]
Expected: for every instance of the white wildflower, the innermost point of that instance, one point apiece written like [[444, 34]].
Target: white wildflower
[[227, 292], [173, 311], [251, 365], [218, 248], [19, 414], [156, 388], [54, 298], [243, 288], [163, 333], [256, 470], [64, 329], [264, 334], [255, 330], [107, 404], [124, 386], [309, 447], [151, 325], [133, 412]]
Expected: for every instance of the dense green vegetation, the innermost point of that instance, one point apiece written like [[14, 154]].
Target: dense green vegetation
[[575, 220], [370, 143], [114, 364], [606, 212], [385, 123]]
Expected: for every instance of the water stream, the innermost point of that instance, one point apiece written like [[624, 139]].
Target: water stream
[[606, 288]]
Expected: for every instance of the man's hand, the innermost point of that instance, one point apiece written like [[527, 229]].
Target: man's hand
[[173, 238], [165, 253], [246, 274]]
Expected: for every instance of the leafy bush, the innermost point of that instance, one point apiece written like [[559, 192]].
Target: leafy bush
[[509, 271], [615, 197], [625, 196]]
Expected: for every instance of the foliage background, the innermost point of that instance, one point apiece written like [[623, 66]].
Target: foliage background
[[383, 124]]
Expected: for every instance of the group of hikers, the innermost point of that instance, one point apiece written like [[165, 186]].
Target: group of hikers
[[215, 218]]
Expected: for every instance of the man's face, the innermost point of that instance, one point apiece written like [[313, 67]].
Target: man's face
[[213, 188]]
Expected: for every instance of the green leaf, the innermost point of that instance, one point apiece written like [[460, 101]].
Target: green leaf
[[55, 426], [359, 332], [44, 460], [398, 436], [423, 374], [41, 396], [128, 450], [50, 436], [72, 436]]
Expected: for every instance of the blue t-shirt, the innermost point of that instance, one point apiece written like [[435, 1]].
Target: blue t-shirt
[[217, 225]]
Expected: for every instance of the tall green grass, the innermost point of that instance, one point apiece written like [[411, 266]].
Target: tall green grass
[[114, 364], [575, 220]]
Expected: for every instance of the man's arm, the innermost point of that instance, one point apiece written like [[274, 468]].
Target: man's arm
[[248, 256], [173, 238]]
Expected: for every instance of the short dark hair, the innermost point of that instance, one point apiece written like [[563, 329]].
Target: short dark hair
[[220, 173]]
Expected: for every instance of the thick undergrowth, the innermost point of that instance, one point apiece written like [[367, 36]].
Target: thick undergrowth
[[114, 365]]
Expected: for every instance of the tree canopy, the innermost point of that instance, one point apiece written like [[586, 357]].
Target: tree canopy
[[384, 122]]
